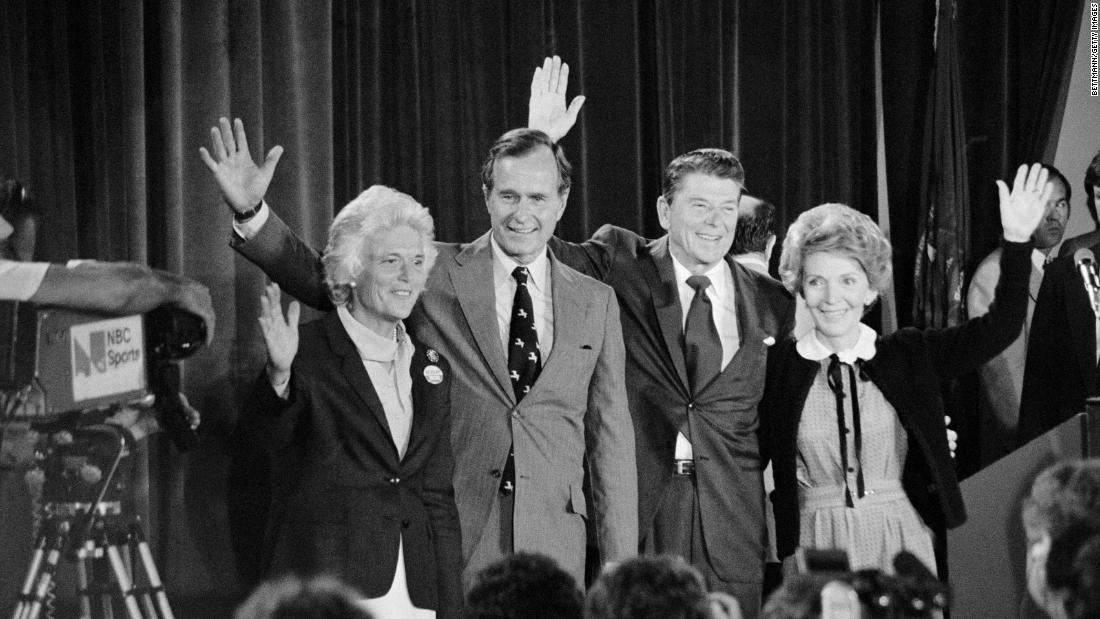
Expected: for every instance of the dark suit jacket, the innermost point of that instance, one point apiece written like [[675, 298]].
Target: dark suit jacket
[[342, 497], [576, 410], [721, 420], [908, 368], [1060, 373]]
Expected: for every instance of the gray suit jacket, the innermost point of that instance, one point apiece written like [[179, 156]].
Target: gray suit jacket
[[577, 408]]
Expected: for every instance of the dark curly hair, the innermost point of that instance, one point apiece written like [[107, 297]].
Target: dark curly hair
[[524, 586], [649, 587], [1073, 569]]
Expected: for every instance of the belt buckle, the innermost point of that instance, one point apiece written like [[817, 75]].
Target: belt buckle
[[685, 468]]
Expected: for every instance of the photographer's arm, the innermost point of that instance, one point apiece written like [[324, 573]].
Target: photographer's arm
[[122, 288]]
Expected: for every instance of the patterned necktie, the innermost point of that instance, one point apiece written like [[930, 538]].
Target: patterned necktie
[[524, 361], [702, 347]]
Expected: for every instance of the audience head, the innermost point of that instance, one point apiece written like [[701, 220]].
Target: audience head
[[1053, 225], [292, 597], [524, 586], [648, 587], [1063, 495], [839, 259], [378, 256], [1092, 186], [755, 228], [525, 180], [871, 593], [698, 206], [1073, 572]]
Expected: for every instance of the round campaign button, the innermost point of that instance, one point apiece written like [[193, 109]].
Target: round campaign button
[[433, 374]]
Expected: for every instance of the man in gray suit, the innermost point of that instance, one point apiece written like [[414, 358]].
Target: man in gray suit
[[528, 409]]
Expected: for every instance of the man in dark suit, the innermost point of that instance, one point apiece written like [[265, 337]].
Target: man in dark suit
[[521, 432], [700, 487], [1061, 370]]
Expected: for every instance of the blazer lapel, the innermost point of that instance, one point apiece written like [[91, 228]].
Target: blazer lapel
[[351, 366], [666, 303], [569, 309], [425, 395], [473, 285], [748, 318]]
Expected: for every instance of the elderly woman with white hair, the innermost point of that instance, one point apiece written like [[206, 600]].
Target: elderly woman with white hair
[[853, 421], [357, 416]]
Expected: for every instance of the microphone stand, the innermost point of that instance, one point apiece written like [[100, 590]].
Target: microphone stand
[[1087, 269]]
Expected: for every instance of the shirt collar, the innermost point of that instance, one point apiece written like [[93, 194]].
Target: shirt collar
[[370, 345], [810, 347], [504, 265], [1039, 259], [716, 274]]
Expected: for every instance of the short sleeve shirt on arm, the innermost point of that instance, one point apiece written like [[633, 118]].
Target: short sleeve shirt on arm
[[20, 280]]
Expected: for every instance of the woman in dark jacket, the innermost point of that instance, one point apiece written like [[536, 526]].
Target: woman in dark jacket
[[358, 420], [853, 421]]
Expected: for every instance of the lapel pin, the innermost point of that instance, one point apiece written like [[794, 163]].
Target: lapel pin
[[433, 374], [433, 356], [768, 341]]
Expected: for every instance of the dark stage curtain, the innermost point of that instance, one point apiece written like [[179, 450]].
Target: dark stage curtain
[[103, 104]]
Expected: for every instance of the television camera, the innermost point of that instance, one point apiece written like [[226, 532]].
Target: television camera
[[66, 380]]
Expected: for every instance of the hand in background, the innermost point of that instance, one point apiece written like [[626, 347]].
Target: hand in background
[[243, 185], [546, 110], [1022, 208], [952, 436]]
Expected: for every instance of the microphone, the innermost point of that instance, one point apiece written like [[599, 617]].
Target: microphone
[[1086, 268]]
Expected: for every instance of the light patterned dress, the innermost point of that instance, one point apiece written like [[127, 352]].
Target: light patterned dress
[[882, 523]]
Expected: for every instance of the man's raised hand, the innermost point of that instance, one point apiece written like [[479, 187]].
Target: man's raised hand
[[1023, 206], [547, 111], [242, 183]]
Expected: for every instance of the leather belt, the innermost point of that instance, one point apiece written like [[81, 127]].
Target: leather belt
[[685, 468]]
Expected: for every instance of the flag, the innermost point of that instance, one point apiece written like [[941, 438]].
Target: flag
[[944, 241]]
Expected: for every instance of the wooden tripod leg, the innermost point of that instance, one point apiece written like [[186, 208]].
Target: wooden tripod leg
[[85, 566], [122, 578], [33, 606], [156, 587]]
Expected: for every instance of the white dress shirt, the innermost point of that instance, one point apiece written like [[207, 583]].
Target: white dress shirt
[[538, 286], [387, 361], [724, 311]]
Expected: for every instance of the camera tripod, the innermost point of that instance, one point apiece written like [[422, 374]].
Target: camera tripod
[[110, 561]]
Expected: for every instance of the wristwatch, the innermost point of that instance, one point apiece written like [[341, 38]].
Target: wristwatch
[[249, 214]]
